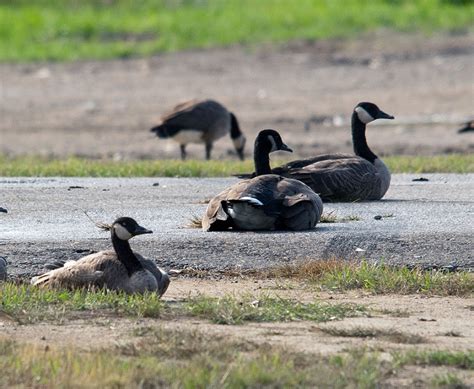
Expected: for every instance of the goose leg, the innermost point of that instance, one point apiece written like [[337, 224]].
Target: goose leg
[[183, 151], [208, 151]]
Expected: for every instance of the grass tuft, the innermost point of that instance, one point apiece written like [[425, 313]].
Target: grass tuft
[[27, 303], [331, 217], [229, 310], [461, 360], [195, 222], [377, 278], [31, 166], [391, 335]]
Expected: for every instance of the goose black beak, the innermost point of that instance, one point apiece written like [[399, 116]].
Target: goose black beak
[[141, 230], [383, 115], [240, 153], [285, 148]]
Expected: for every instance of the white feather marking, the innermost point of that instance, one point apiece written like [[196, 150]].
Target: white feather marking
[[188, 136], [251, 200], [363, 115], [272, 141], [239, 142], [121, 232]]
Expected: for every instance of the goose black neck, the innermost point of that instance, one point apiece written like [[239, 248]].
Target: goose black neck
[[125, 255], [359, 142], [261, 159], [234, 127]]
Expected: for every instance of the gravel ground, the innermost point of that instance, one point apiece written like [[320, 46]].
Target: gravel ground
[[429, 223]]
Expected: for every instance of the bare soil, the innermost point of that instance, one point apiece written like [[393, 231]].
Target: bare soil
[[304, 89], [437, 323]]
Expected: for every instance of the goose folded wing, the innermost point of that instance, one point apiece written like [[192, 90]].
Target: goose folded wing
[[339, 179]]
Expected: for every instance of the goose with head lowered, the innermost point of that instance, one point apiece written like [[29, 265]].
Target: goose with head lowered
[[200, 122], [345, 177], [119, 269], [267, 201]]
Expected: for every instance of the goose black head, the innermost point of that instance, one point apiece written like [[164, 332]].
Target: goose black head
[[126, 227], [270, 141], [238, 139], [368, 112]]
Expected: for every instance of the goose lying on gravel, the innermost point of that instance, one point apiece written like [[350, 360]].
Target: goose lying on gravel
[[200, 122], [118, 269], [345, 177], [267, 201]]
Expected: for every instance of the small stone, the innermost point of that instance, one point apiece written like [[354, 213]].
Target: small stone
[[378, 217], [4, 210], [421, 179], [156, 184]]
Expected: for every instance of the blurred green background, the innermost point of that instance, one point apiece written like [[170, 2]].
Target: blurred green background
[[70, 30]]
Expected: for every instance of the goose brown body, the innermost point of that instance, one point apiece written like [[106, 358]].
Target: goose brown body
[[203, 121], [118, 269], [265, 202], [345, 177]]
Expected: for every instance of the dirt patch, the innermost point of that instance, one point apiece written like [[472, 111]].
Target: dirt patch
[[435, 322], [306, 90]]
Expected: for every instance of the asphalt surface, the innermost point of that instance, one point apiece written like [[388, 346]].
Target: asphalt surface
[[428, 223]]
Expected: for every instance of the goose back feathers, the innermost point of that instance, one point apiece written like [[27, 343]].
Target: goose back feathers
[[200, 122], [265, 202], [118, 269]]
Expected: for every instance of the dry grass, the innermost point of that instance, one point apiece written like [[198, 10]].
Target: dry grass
[[194, 222], [331, 217]]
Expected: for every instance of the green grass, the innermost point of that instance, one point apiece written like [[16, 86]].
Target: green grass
[[26, 303], [231, 310], [192, 359], [70, 30], [378, 278], [81, 167], [184, 360], [461, 360]]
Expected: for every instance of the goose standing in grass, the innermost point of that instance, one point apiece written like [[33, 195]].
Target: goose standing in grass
[[345, 177], [119, 269], [200, 122], [267, 201], [3, 269]]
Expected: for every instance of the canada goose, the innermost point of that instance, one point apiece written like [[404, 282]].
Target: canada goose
[[267, 201], [200, 122], [118, 269], [345, 177], [3, 269], [469, 126]]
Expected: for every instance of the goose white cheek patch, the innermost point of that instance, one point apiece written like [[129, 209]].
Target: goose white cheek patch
[[121, 232], [363, 115], [272, 141]]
